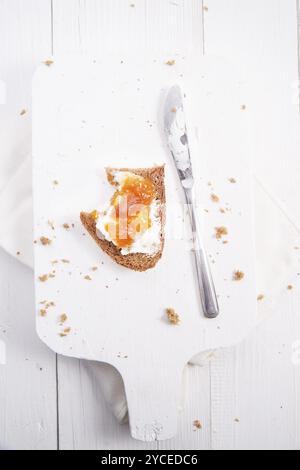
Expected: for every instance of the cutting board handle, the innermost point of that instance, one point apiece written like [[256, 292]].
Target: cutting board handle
[[153, 398]]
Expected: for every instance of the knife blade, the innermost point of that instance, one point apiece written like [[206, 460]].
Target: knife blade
[[178, 143]]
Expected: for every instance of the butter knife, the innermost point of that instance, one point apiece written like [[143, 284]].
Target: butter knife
[[177, 139]]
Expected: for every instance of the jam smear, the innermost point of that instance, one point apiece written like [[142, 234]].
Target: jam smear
[[131, 213]]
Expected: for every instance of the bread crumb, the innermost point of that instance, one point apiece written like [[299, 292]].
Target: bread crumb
[[243, 107], [220, 232], [260, 297], [197, 424], [237, 420], [174, 110], [170, 62], [238, 275], [65, 261], [24, 111], [214, 198], [43, 312], [56, 183], [88, 278], [44, 277], [222, 211], [48, 62], [173, 317], [18, 253], [45, 241], [63, 318], [290, 287], [205, 8], [51, 224], [232, 180], [65, 332], [66, 226], [94, 268]]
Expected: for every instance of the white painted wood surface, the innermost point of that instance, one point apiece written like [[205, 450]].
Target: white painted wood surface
[[255, 383], [81, 142]]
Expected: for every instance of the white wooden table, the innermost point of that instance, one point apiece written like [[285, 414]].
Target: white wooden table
[[249, 396]]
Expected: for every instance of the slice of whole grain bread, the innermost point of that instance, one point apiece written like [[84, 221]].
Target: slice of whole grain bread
[[135, 261]]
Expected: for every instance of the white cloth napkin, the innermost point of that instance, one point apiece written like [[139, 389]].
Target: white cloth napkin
[[276, 239]]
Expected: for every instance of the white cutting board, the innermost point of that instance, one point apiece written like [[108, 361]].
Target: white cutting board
[[93, 113]]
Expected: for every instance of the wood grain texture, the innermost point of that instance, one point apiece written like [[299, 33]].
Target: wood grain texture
[[251, 382], [28, 380], [255, 382]]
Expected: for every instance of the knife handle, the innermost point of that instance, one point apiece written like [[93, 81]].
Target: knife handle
[[205, 281]]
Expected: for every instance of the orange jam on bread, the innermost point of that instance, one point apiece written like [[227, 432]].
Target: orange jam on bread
[[129, 209]]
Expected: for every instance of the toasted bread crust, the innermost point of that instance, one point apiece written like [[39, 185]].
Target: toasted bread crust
[[134, 261]]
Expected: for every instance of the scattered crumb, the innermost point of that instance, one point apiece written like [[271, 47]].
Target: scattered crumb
[[170, 62], [232, 180], [43, 312], [243, 107], [65, 261], [88, 278], [55, 261], [51, 224], [205, 8], [132, 5], [238, 275], [173, 317], [45, 241], [220, 232], [63, 318], [296, 248], [94, 268], [56, 183], [66, 226], [260, 297], [214, 198], [18, 253], [65, 332], [174, 110], [222, 211], [48, 62], [290, 287], [24, 111], [197, 424], [44, 277], [237, 420]]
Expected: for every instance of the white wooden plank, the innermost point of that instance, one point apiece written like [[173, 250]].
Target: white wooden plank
[[115, 26], [27, 379], [261, 37], [255, 386], [256, 381], [25, 38]]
